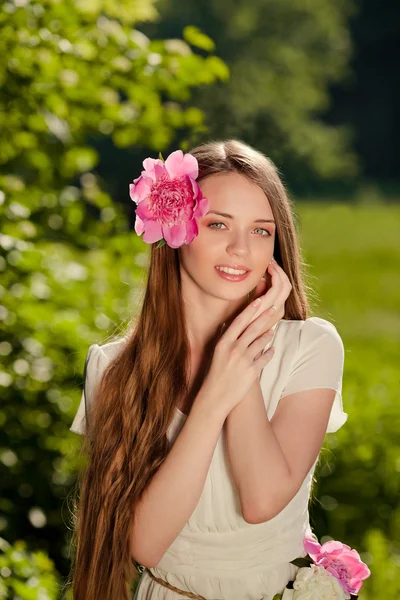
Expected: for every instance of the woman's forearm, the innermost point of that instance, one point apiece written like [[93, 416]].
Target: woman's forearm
[[259, 468], [175, 490]]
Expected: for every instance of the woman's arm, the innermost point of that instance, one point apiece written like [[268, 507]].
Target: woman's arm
[[270, 458], [175, 490]]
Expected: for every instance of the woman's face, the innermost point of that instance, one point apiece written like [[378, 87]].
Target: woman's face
[[222, 240]]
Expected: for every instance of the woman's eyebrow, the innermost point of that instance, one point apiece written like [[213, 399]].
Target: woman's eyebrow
[[222, 214]]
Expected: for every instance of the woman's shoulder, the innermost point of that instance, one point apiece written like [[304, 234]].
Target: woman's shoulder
[[310, 330], [108, 350], [313, 324]]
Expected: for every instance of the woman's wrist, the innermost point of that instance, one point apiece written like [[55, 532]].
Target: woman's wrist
[[209, 403]]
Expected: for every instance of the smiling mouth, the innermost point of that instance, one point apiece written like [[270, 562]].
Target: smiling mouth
[[233, 277], [237, 269]]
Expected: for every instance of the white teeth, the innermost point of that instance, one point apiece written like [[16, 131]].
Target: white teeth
[[232, 271]]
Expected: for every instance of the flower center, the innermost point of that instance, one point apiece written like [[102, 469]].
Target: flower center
[[170, 199]]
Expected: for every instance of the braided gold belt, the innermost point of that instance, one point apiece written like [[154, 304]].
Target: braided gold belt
[[169, 586], [172, 587]]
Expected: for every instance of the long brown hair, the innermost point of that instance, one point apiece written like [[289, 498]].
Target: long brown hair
[[126, 438]]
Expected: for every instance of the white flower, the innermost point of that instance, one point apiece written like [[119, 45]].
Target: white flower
[[315, 583]]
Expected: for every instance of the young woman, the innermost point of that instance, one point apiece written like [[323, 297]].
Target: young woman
[[201, 446]]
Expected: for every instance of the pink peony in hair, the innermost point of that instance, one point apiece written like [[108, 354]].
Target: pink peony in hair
[[169, 200], [340, 561]]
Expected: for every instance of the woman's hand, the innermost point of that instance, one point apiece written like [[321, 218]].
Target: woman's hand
[[234, 367], [238, 357], [274, 289], [278, 291]]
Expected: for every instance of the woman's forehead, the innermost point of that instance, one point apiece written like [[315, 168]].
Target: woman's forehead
[[232, 193]]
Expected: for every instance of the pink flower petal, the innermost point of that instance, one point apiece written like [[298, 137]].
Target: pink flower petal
[[197, 194], [152, 169], [139, 225], [139, 191], [175, 235], [191, 165], [333, 546], [361, 571], [179, 164], [153, 232], [350, 561], [189, 211], [144, 212], [160, 171], [356, 580], [341, 561], [311, 546], [150, 163], [192, 230], [202, 207]]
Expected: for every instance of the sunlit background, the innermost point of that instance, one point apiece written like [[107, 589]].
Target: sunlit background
[[90, 88]]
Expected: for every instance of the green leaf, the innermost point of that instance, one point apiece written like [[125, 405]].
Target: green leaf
[[302, 562], [195, 37], [161, 243], [160, 156]]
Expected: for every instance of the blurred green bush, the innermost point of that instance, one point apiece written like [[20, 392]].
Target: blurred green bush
[[70, 267], [26, 575]]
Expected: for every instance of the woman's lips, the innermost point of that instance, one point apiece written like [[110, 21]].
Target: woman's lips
[[230, 277]]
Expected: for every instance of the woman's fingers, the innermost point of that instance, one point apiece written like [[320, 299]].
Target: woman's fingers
[[276, 296], [280, 284], [270, 298], [240, 322], [274, 301], [280, 273], [258, 327], [256, 348], [264, 358]]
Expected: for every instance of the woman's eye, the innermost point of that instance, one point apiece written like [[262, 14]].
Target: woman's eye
[[267, 233], [209, 225]]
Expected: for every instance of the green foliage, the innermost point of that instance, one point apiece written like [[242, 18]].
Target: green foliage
[[283, 56], [72, 73], [385, 558], [354, 255], [196, 38], [26, 575]]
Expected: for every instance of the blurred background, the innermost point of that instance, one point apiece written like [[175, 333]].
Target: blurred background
[[89, 88]]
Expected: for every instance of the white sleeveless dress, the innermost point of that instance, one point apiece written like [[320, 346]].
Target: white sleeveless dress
[[218, 554]]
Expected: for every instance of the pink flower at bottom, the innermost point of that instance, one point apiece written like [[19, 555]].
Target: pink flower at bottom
[[169, 200], [340, 561]]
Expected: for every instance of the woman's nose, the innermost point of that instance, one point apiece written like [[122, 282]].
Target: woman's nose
[[239, 245]]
